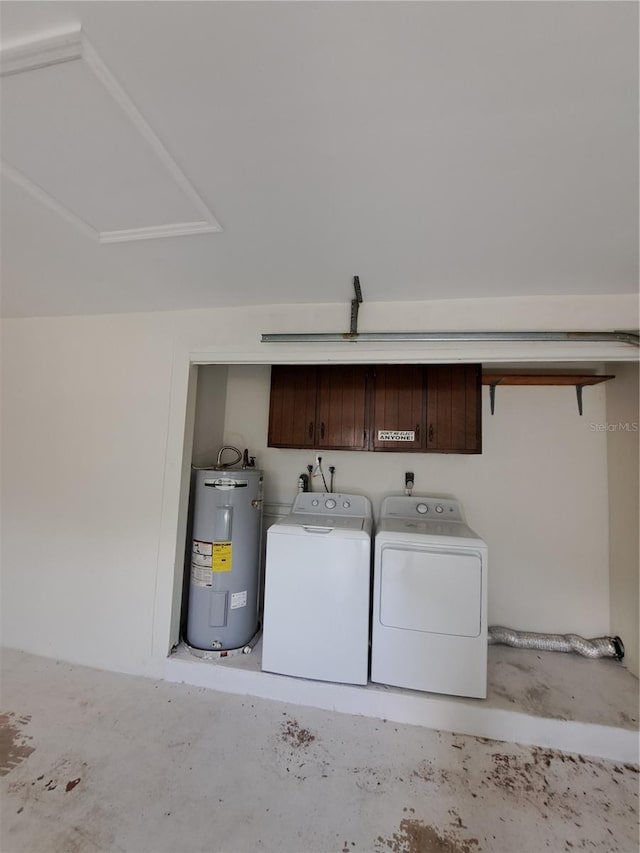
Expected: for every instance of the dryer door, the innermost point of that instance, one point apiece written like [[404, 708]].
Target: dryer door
[[431, 590]]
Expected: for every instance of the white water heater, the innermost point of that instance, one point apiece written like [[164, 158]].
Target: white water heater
[[225, 558]]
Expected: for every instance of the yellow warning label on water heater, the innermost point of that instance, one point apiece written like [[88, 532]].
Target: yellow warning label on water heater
[[221, 557]]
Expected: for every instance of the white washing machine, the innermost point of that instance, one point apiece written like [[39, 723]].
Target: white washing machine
[[318, 589], [429, 621]]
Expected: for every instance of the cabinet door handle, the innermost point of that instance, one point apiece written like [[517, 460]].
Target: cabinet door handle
[[417, 432], [310, 429], [430, 432], [322, 430]]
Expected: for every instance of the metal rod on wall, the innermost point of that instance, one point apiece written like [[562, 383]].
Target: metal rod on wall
[[626, 337]]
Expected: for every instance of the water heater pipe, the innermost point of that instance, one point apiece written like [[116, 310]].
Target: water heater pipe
[[221, 464]]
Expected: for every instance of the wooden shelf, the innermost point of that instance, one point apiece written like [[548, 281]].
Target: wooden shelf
[[578, 380], [543, 378]]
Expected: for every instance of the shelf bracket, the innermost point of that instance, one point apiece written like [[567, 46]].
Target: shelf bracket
[[355, 305], [579, 396], [492, 396]]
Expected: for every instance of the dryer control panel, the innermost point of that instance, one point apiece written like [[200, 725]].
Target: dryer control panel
[[421, 506]]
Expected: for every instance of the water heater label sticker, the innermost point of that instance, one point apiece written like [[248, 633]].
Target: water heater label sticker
[[201, 560], [238, 599], [201, 575], [200, 547], [221, 557], [396, 435]]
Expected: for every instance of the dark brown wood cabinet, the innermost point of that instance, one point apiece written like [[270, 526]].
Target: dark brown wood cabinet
[[342, 407], [346, 407], [292, 407], [320, 407], [398, 405], [454, 410]]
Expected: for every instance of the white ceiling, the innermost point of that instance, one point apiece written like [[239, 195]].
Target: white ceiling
[[437, 150]]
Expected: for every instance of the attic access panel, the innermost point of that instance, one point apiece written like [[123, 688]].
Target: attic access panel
[[73, 138]]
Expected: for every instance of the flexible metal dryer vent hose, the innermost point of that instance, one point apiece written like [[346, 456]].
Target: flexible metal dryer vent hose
[[599, 647]]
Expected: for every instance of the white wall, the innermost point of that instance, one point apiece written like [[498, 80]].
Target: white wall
[[622, 445], [85, 407], [211, 395], [93, 452], [537, 494]]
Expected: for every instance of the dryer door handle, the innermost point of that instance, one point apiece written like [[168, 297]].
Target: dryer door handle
[[317, 529]]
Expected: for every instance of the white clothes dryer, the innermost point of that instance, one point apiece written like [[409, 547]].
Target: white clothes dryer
[[429, 621], [318, 589]]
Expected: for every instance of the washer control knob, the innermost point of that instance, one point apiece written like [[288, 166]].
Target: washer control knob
[[422, 508], [439, 508], [346, 504], [330, 504], [315, 502]]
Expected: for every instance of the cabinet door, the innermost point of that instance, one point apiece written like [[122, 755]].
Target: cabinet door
[[342, 407], [454, 408], [292, 408], [399, 405]]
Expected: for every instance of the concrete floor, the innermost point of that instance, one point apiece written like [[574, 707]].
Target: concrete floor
[[563, 686], [547, 699], [94, 761], [544, 684]]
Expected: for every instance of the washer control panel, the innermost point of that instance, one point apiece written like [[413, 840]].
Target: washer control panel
[[332, 504], [422, 506]]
